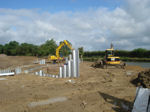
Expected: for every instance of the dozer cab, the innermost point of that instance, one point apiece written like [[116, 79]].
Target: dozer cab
[[57, 58]]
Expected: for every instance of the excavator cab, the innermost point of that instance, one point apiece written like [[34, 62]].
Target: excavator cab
[[109, 52]]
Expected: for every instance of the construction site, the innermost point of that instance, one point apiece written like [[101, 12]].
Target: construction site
[[74, 56], [32, 84]]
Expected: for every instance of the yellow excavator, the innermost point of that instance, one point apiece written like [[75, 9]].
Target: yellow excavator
[[109, 60], [57, 58]]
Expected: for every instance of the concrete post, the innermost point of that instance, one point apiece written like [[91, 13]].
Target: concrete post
[[17, 70], [72, 74], [60, 72], [44, 61], [74, 64], [66, 60], [70, 57], [69, 68], [40, 72], [65, 71], [77, 63]]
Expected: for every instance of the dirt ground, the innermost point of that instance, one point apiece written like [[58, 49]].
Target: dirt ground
[[12, 61], [96, 90]]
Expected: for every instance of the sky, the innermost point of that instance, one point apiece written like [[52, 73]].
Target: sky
[[91, 24]]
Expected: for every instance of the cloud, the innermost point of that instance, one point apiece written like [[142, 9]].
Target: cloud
[[127, 26], [138, 9]]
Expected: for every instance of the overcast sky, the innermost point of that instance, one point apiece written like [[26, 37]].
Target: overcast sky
[[92, 24]]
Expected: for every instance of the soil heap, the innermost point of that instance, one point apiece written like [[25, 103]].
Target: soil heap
[[144, 78]]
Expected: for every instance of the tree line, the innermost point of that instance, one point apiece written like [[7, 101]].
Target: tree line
[[139, 53], [14, 48]]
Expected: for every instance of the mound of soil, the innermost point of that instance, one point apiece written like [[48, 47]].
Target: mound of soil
[[97, 64], [143, 79]]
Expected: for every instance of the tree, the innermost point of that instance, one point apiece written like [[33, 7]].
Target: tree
[[11, 48], [27, 49], [122, 53], [81, 52], [94, 54], [1, 49], [48, 48], [140, 52]]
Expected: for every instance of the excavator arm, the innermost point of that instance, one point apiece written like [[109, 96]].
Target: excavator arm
[[68, 44], [60, 46], [58, 49]]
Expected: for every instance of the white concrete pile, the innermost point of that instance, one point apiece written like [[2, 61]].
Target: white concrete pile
[[18, 70], [42, 61], [7, 74]]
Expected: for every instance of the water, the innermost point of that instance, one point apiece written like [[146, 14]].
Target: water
[[142, 64]]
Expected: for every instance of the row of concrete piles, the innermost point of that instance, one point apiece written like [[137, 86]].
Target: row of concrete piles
[[17, 70], [71, 68], [42, 74], [10, 71]]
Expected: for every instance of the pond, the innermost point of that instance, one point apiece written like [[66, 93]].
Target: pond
[[142, 64]]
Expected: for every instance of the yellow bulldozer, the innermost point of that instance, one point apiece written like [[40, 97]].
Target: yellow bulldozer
[[57, 58], [109, 60]]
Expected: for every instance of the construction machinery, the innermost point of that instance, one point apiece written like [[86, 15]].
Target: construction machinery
[[57, 57], [109, 60]]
